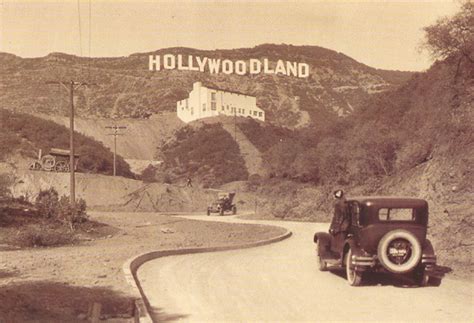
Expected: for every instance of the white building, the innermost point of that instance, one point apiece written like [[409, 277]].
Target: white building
[[204, 102]]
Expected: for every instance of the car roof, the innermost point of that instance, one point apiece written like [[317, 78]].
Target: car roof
[[389, 201]]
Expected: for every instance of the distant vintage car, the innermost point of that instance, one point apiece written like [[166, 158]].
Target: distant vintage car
[[379, 234], [223, 204]]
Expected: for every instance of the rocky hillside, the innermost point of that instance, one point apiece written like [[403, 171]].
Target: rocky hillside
[[336, 85], [415, 141]]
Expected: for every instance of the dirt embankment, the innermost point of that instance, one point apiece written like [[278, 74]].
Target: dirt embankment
[[439, 181], [137, 142], [61, 284]]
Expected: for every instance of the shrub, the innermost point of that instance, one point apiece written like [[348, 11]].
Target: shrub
[[50, 206], [47, 203], [5, 182], [149, 174], [43, 237], [66, 213]]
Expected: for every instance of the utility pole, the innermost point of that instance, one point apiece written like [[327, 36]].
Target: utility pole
[[235, 124], [115, 134], [70, 87]]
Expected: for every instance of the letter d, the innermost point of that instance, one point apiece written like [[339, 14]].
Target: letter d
[[255, 66]]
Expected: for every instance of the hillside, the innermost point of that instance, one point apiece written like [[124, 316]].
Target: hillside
[[417, 140], [23, 135], [137, 142], [204, 152], [337, 84]]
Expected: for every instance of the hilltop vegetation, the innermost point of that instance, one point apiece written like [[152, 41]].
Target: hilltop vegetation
[[24, 134], [337, 84], [207, 154]]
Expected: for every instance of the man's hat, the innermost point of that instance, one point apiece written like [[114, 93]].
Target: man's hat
[[338, 194]]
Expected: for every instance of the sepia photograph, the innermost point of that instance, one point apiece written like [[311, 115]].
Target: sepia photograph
[[236, 161]]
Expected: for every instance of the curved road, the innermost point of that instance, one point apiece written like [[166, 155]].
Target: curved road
[[280, 282]]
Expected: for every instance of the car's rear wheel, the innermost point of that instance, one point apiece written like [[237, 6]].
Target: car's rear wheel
[[399, 251], [354, 278], [322, 265]]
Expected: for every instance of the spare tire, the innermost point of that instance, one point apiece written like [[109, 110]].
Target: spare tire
[[399, 251]]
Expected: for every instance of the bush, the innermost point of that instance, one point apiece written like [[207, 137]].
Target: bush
[[5, 182], [149, 174], [43, 237], [47, 203], [50, 206], [66, 214]]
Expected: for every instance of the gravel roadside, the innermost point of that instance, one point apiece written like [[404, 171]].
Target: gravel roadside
[[61, 284]]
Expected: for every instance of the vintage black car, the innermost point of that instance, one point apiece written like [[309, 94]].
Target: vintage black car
[[223, 203], [379, 234]]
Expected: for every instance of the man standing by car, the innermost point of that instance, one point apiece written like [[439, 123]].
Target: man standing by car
[[340, 219]]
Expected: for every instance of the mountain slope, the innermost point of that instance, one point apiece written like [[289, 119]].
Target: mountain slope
[[336, 86]]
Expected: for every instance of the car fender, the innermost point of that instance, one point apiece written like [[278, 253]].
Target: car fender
[[324, 238], [428, 249], [356, 250], [324, 241]]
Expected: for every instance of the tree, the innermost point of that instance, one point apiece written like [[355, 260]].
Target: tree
[[452, 35]]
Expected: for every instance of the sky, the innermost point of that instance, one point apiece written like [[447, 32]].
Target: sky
[[381, 34]]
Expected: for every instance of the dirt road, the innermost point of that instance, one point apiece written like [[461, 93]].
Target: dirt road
[[280, 282]]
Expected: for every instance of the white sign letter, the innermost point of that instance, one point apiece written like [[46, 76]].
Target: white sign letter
[[169, 61], [266, 67], [280, 68], [240, 67], [303, 70], [255, 66], [154, 61], [201, 63], [227, 67], [191, 64], [180, 63], [214, 65]]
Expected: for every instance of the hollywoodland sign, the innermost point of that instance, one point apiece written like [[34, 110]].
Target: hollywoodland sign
[[227, 66]]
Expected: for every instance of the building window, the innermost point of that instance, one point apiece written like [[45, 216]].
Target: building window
[[222, 108], [255, 113], [227, 107], [204, 107], [213, 96], [192, 110], [213, 106], [260, 114]]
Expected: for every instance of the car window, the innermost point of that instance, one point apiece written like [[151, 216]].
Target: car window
[[396, 214]]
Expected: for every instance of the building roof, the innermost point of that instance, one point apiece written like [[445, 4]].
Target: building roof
[[224, 90]]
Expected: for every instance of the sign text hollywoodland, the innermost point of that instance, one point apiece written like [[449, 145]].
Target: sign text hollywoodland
[[227, 66]]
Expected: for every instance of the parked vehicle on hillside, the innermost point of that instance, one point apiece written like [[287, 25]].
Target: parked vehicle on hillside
[[223, 204], [379, 234], [56, 161]]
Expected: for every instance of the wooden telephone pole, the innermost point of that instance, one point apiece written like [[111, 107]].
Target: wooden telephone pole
[[70, 87], [115, 134]]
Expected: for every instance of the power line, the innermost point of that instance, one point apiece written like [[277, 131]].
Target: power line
[[90, 36], [80, 27]]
